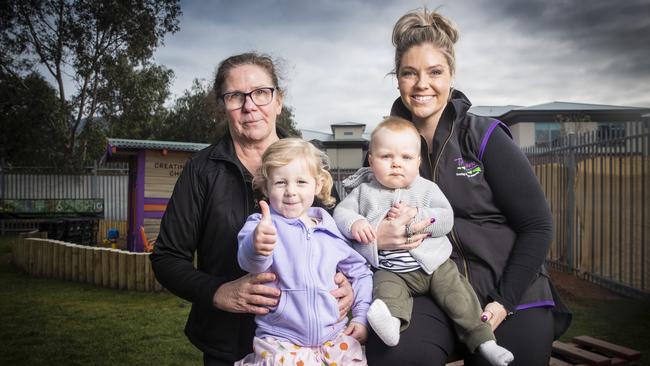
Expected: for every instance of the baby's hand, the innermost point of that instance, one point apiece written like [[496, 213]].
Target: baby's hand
[[398, 209], [265, 233], [362, 231], [394, 212], [357, 331]]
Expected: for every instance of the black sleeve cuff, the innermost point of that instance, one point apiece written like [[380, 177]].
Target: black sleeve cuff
[[510, 307]]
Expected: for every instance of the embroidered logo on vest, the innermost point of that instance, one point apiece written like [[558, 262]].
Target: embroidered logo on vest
[[467, 169]]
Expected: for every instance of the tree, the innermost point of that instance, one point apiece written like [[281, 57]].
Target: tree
[[194, 117], [572, 123], [132, 100], [31, 129], [285, 120], [197, 116], [84, 39]]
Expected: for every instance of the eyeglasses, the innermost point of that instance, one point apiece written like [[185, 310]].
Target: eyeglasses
[[236, 100]]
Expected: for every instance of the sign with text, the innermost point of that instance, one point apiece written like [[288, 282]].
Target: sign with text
[[91, 207], [162, 171]]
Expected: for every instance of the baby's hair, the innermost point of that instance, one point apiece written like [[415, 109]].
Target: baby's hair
[[283, 152], [395, 124]]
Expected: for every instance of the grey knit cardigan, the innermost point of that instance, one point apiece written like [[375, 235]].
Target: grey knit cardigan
[[369, 200]]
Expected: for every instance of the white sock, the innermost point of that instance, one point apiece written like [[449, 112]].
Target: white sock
[[385, 325], [495, 354]]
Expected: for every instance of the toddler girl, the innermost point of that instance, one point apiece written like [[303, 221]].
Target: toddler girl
[[304, 248]]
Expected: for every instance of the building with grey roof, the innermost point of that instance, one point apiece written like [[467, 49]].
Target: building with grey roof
[[542, 124]]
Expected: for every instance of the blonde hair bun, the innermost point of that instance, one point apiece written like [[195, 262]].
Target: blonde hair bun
[[421, 26]]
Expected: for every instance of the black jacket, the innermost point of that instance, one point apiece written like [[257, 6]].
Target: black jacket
[[502, 223], [210, 203]]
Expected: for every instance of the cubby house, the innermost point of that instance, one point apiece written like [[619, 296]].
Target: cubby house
[[154, 167]]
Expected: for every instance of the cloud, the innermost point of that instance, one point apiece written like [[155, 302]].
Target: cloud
[[592, 51], [337, 53]]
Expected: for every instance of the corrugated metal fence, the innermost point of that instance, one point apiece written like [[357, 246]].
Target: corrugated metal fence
[[109, 182], [597, 185]]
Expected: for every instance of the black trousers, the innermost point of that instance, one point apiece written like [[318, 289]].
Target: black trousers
[[244, 334], [430, 339], [212, 361]]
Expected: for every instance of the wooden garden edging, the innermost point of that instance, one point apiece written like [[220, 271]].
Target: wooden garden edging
[[105, 267]]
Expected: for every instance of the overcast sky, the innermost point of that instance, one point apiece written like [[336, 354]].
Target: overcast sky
[[337, 54]]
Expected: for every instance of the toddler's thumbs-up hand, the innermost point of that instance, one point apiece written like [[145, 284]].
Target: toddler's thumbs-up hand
[[265, 234]]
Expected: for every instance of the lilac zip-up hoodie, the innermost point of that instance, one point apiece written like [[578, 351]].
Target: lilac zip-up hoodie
[[305, 261]]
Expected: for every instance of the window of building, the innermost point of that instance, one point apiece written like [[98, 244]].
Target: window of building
[[611, 133], [546, 133], [348, 133]]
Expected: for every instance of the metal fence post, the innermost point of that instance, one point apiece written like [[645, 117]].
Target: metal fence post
[[95, 180], [571, 204], [2, 192], [2, 179]]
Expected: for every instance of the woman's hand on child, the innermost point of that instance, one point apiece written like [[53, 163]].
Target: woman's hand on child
[[343, 294], [357, 331], [247, 294], [362, 231], [391, 234], [265, 234], [494, 313]]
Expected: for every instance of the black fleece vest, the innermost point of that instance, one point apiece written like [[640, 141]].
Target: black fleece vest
[[481, 237]]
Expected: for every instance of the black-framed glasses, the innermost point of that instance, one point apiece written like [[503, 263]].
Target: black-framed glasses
[[259, 96]]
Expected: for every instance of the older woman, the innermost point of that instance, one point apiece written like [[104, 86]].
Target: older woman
[[502, 223], [211, 201]]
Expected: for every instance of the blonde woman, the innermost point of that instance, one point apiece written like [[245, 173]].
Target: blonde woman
[[502, 222]]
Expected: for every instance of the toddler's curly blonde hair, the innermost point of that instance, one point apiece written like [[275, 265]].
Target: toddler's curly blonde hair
[[283, 152]]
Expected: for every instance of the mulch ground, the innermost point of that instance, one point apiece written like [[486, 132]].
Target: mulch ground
[[572, 287]]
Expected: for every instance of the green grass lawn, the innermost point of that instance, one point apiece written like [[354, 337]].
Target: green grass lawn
[[49, 322], [625, 322]]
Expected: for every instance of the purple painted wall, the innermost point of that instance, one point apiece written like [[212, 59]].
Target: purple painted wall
[[138, 245]]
